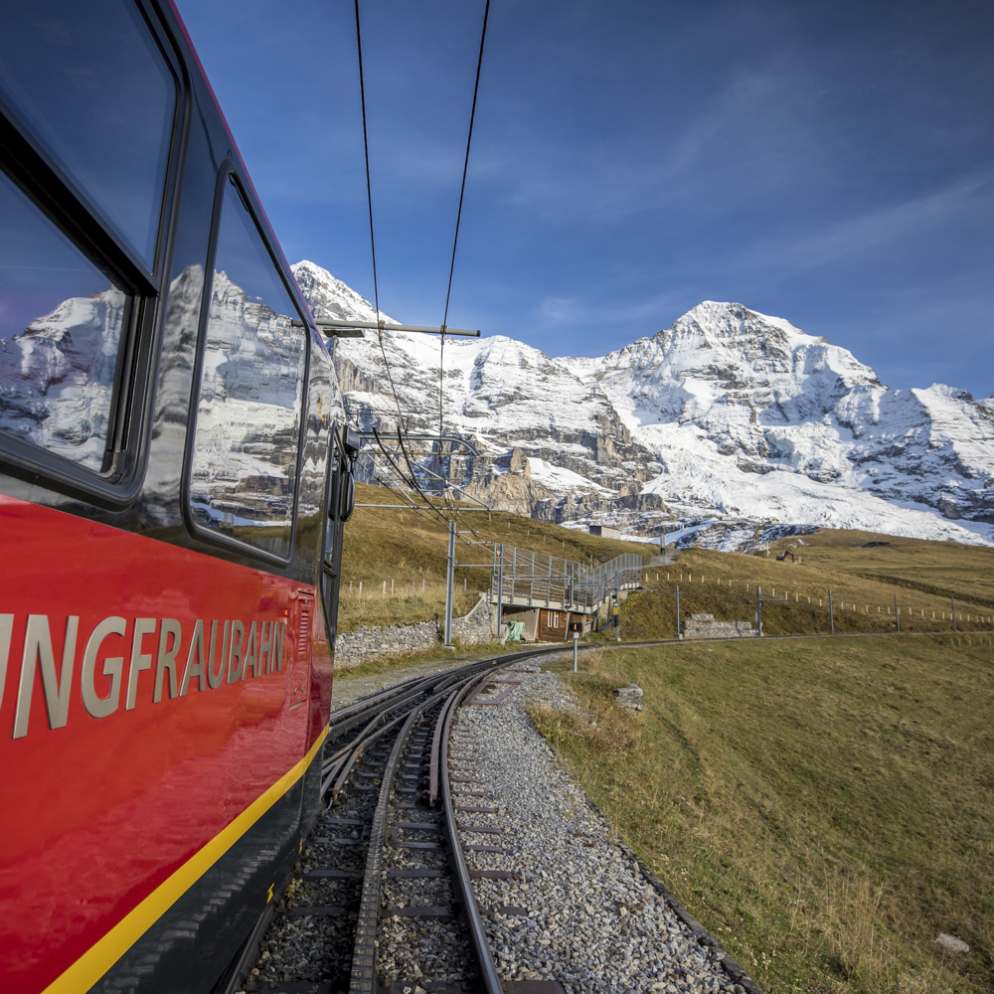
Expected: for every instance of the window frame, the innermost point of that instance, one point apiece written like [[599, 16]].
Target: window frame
[[330, 567], [229, 169], [332, 502], [72, 212]]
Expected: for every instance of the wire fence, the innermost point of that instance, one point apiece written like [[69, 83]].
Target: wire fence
[[674, 597], [524, 575]]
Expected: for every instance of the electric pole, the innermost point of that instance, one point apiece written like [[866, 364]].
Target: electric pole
[[500, 588], [450, 573]]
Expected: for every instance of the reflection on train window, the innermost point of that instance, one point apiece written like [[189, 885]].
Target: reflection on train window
[[244, 468], [61, 325], [96, 92]]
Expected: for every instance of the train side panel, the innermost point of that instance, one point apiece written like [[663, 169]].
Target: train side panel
[[157, 706], [165, 663]]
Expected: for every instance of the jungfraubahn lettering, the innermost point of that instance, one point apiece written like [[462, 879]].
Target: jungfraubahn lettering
[[115, 653]]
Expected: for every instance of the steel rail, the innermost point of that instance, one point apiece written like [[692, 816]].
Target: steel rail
[[336, 779], [373, 717], [448, 691], [363, 975], [451, 689], [471, 909]]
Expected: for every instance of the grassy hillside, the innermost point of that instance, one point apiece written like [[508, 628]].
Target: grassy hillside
[[943, 568], [868, 576], [825, 807], [407, 550]]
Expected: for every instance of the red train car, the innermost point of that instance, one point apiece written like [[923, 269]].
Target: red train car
[[174, 474]]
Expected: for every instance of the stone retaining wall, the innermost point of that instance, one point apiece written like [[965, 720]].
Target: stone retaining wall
[[476, 625], [704, 626], [353, 648]]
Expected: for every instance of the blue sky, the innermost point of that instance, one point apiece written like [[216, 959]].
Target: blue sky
[[829, 163]]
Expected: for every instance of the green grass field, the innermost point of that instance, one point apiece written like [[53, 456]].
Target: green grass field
[[824, 806]]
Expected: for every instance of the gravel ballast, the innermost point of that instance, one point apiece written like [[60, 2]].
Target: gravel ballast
[[582, 912]]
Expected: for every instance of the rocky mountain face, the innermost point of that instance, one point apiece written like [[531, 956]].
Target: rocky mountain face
[[725, 428], [57, 375]]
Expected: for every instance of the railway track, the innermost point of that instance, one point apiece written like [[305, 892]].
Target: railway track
[[382, 901]]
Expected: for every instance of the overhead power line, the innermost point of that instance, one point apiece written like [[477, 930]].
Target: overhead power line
[[369, 204], [462, 196], [411, 479]]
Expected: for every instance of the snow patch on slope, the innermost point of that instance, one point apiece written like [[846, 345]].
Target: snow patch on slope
[[558, 478]]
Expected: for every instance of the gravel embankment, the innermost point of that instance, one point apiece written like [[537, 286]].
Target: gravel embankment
[[583, 912]]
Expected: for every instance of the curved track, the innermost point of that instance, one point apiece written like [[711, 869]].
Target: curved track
[[382, 900], [387, 838]]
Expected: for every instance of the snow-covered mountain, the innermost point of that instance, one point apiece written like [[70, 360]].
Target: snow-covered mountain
[[725, 428], [57, 375], [720, 426]]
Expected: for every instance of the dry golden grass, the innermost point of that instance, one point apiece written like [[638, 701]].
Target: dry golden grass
[[945, 569], [409, 548], [825, 807], [404, 603], [866, 583]]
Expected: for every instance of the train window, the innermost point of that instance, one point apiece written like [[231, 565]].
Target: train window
[[245, 455], [97, 94], [340, 495], [62, 323], [336, 466]]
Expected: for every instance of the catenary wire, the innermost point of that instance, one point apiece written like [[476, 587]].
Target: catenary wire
[[411, 483], [462, 196], [369, 204], [402, 425]]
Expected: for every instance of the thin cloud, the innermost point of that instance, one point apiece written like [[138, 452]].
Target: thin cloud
[[660, 307], [750, 136], [873, 229]]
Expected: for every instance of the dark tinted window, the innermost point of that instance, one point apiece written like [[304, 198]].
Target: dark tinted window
[[336, 480], [61, 327], [244, 468], [92, 86]]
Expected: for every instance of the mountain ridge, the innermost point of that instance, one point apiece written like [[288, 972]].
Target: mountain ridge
[[726, 428], [726, 424]]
